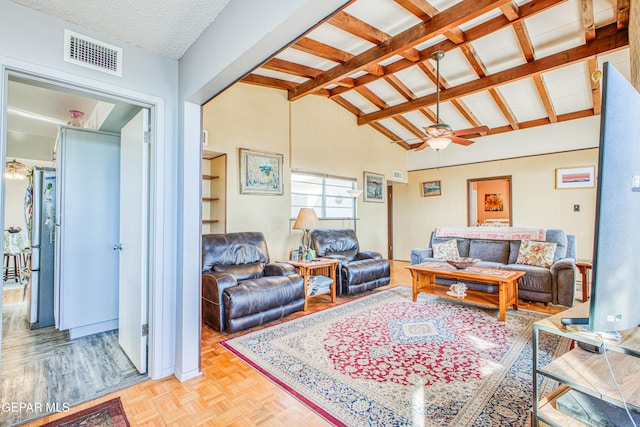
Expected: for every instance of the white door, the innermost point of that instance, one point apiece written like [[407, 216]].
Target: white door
[[133, 245]]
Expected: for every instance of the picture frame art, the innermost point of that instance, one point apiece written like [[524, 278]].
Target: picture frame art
[[430, 188], [583, 177], [373, 187], [260, 172]]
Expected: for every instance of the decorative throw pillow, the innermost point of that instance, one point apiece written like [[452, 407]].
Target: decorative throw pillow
[[536, 253], [446, 250]]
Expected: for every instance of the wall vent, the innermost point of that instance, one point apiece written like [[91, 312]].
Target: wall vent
[[91, 53], [398, 175]]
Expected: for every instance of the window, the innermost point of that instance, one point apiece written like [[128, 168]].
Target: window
[[326, 194]]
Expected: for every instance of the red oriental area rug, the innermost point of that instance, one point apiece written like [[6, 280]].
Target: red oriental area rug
[[385, 360], [106, 414]]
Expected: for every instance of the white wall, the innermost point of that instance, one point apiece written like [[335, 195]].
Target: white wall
[[535, 201], [313, 134], [33, 42], [15, 190]]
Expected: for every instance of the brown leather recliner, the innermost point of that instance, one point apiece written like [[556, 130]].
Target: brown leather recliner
[[358, 271], [240, 288]]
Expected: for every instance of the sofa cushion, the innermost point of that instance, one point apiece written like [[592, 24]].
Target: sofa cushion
[[540, 254], [559, 237], [536, 279], [242, 271], [446, 250], [490, 250]]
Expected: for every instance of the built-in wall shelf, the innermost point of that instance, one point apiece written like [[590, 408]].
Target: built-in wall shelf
[[210, 177], [209, 221], [210, 199], [214, 199]]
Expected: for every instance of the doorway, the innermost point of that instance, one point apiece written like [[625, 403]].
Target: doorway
[[489, 201], [38, 354]]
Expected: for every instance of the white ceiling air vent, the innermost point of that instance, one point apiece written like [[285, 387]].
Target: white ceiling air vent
[[91, 53]]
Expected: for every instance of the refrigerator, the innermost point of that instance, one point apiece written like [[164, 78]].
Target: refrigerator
[[41, 213]]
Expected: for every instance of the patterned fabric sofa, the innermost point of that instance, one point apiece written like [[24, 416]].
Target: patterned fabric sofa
[[499, 247]]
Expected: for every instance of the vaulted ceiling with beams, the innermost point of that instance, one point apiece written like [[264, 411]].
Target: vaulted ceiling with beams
[[508, 64]]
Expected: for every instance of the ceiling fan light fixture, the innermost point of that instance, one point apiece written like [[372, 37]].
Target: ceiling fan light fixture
[[439, 130], [439, 143]]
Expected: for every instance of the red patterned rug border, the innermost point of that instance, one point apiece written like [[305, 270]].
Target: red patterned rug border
[[324, 414], [114, 404]]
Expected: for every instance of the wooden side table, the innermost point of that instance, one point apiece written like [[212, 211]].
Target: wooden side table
[[584, 267], [319, 266]]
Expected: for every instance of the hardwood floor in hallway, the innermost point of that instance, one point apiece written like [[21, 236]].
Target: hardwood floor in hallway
[[44, 369], [229, 392]]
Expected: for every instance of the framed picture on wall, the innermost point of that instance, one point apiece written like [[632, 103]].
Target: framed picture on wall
[[575, 177], [260, 173], [373, 187], [430, 188]]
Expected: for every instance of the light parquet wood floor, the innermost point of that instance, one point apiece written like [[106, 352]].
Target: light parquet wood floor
[[229, 392]]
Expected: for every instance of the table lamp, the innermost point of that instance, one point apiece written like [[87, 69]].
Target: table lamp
[[307, 219]]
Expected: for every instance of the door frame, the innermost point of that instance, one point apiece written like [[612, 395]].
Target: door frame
[[160, 336], [489, 178]]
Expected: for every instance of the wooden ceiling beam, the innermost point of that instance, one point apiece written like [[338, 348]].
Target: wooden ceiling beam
[[504, 108], [443, 21], [259, 80], [400, 87], [292, 68], [372, 97], [523, 39], [392, 136], [511, 11], [623, 13], [596, 98], [404, 122], [474, 60], [607, 39], [588, 20], [430, 71], [526, 10], [425, 11], [376, 70], [346, 82], [544, 96], [467, 113], [429, 114], [410, 54], [358, 28], [322, 50], [347, 105]]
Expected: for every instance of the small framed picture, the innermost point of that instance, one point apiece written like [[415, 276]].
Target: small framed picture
[[260, 173], [373, 187], [430, 188], [575, 177]]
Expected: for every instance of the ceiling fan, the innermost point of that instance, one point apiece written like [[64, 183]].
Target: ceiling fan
[[439, 135]]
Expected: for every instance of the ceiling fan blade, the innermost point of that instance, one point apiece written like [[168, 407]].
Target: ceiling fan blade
[[461, 141], [409, 141], [423, 146], [471, 131]]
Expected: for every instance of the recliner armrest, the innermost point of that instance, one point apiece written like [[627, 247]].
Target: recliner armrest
[[419, 255], [213, 287], [563, 263], [368, 255], [279, 269], [340, 258]]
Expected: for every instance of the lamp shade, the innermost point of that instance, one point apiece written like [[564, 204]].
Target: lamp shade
[[439, 143], [307, 219], [15, 170], [354, 193]]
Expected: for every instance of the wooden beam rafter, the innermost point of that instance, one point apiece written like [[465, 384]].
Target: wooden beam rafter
[[467, 113], [292, 68], [544, 96], [443, 21], [474, 60], [404, 122], [588, 20], [511, 11], [523, 39], [347, 105], [504, 108], [392, 136], [372, 97], [322, 50], [595, 87], [526, 10], [607, 39], [358, 28], [623, 13]]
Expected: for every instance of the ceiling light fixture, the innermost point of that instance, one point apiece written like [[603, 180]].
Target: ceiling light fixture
[[15, 170], [34, 116], [597, 74], [438, 134]]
